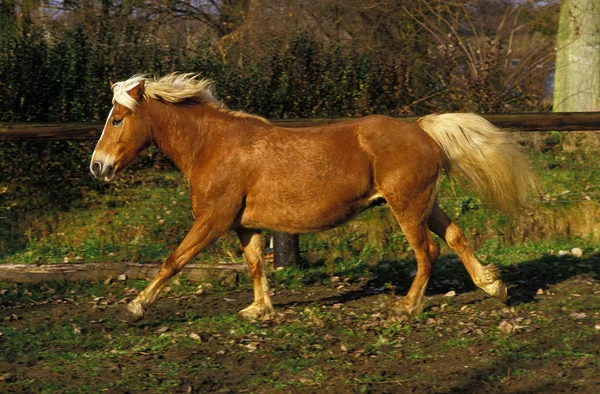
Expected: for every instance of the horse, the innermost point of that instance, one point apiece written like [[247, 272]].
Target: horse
[[246, 174]]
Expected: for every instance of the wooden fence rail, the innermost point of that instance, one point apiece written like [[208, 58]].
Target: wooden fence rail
[[551, 121], [554, 121]]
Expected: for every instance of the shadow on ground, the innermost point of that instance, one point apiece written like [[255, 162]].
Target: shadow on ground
[[523, 279]]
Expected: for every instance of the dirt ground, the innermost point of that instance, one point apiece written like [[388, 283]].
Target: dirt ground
[[326, 339]]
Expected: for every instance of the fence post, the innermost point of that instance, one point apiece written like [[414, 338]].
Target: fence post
[[286, 249]]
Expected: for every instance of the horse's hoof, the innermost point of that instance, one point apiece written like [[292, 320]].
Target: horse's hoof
[[256, 312], [127, 316], [497, 290], [400, 309]]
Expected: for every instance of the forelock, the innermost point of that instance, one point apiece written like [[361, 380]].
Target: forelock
[[121, 89]]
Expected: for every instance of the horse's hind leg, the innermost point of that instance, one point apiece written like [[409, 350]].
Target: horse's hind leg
[[426, 251], [253, 245], [412, 218], [484, 277]]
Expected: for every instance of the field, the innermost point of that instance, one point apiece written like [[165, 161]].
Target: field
[[334, 332], [65, 338]]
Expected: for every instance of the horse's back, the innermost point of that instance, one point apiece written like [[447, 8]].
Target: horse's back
[[310, 179]]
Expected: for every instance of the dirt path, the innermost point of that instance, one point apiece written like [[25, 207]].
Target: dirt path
[[325, 340]]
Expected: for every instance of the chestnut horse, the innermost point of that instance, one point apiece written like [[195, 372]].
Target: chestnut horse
[[246, 174]]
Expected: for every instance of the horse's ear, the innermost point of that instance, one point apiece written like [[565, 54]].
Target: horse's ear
[[137, 92]]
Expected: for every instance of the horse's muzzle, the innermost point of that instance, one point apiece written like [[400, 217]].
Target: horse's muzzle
[[102, 170]]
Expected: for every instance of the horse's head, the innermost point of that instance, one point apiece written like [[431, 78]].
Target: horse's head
[[127, 131]]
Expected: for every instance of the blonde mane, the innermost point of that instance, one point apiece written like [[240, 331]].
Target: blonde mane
[[174, 88]]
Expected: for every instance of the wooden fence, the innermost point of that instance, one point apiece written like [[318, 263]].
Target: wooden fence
[[286, 245], [555, 121]]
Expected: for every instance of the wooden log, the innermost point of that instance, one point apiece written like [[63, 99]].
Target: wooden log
[[31, 273], [49, 131], [557, 121], [547, 121]]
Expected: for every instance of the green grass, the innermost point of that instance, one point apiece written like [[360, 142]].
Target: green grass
[[145, 214]]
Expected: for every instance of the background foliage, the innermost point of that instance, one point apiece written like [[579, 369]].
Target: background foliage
[[275, 58]]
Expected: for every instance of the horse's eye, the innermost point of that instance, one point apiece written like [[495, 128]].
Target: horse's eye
[[117, 122]]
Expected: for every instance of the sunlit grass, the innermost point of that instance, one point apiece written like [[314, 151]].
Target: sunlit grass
[[145, 215]]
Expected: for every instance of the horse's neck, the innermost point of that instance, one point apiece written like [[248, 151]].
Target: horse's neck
[[184, 132]]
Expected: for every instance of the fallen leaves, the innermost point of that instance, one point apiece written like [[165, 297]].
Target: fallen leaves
[[7, 377], [506, 327], [251, 347], [578, 315], [161, 330]]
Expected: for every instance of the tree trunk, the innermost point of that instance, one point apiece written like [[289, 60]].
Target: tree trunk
[[577, 75], [286, 249]]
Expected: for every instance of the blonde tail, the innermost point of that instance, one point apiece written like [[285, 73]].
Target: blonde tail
[[485, 155]]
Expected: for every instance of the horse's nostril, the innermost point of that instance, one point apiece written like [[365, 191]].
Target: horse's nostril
[[96, 168]]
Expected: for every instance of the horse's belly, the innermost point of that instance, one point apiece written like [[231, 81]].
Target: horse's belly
[[311, 216]]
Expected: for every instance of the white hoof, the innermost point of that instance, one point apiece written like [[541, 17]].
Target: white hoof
[[402, 308], [496, 289], [256, 312]]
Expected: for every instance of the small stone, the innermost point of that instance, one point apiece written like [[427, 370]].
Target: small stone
[[451, 293], [195, 337], [122, 277], [562, 253], [577, 252], [540, 292], [66, 260], [343, 348], [597, 327]]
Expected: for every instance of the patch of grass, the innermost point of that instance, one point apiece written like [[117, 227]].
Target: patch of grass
[[144, 215], [512, 348], [459, 342]]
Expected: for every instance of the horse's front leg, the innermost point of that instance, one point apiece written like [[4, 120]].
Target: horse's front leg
[[253, 245], [202, 233]]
